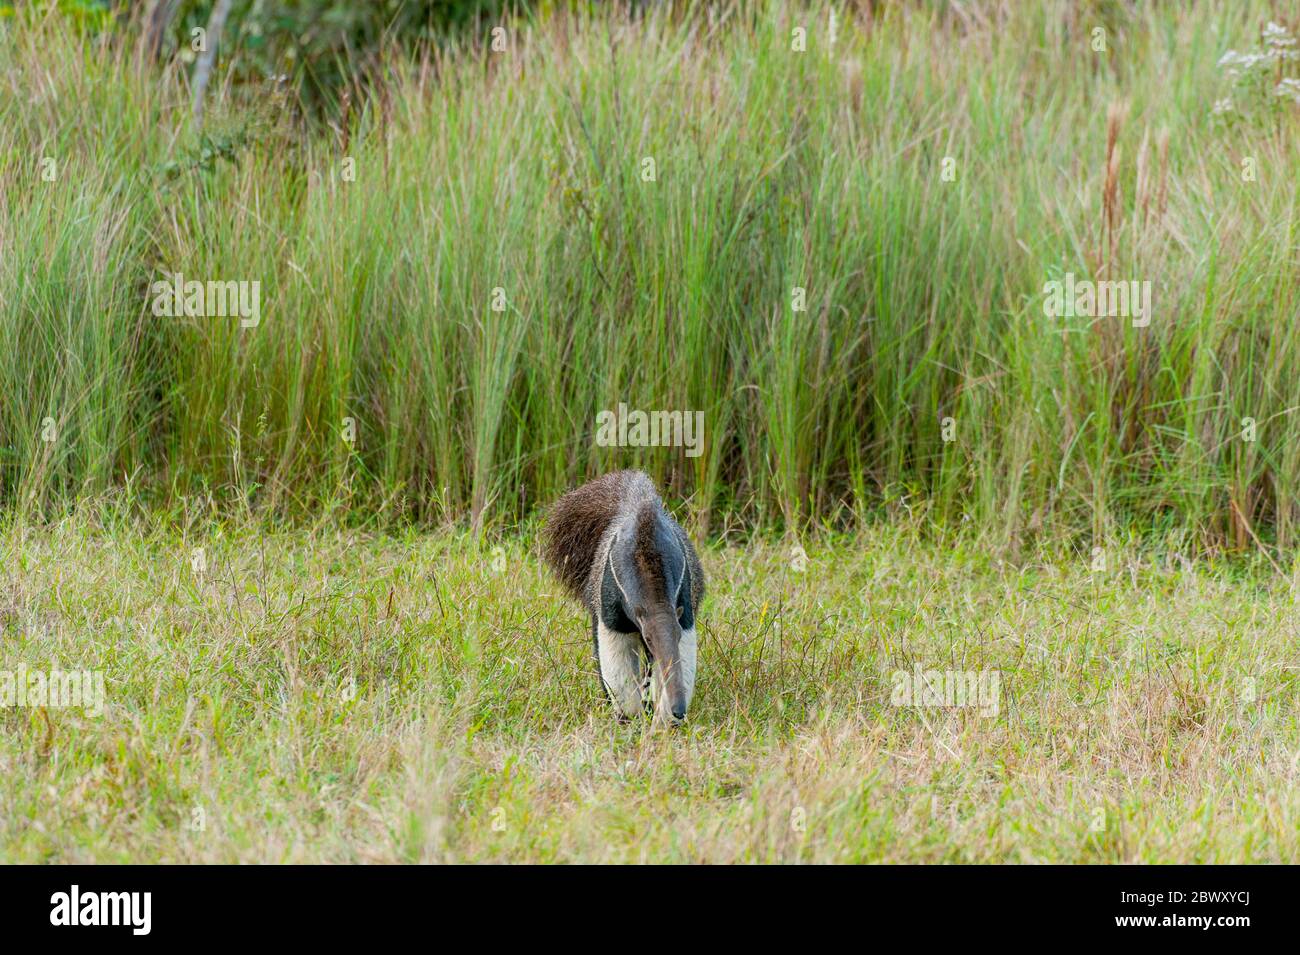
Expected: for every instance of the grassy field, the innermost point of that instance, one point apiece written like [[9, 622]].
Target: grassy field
[[341, 697], [300, 551]]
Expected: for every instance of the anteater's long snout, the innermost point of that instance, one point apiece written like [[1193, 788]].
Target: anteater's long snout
[[663, 636]]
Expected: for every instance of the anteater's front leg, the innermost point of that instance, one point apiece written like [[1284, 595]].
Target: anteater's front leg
[[619, 657]]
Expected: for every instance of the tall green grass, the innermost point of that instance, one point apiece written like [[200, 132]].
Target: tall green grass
[[774, 169]]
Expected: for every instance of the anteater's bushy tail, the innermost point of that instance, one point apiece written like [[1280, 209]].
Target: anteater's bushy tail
[[578, 520]]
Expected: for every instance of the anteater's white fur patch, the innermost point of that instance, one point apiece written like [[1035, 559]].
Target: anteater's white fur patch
[[686, 653], [620, 668]]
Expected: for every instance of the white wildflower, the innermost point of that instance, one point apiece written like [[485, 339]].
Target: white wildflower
[[1238, 63], [1290, 88], [1276, 35]]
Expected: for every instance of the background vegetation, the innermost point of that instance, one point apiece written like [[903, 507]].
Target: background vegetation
[[522, 170]]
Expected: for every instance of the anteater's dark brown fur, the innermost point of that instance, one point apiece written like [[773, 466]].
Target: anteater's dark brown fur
[[576, 526]]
